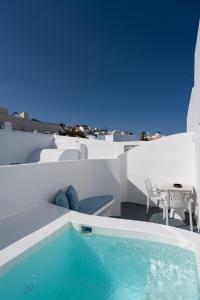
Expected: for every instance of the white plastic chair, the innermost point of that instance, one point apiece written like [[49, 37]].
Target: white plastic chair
[[179, 201], [153, 195]]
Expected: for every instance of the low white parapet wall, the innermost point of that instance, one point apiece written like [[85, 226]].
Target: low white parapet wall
[[16, 146], [97, 149], [25, 186], [49, 155]]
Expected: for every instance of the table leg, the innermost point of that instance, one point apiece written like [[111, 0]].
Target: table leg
[[178, 214]]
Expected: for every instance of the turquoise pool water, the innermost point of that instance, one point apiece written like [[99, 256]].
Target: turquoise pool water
[[71, 266]]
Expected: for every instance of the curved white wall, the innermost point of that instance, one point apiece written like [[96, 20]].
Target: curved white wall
[[95, 149], [168, 160], [48, 155]]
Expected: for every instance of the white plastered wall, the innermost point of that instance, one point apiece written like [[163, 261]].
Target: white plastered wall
[[168, 160], [15, 146], [193, 117], [26, 186], [96, 149], [48, 155]]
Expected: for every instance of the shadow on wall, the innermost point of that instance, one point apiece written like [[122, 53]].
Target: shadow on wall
[[53, 144], [83, 151], [135, 194]]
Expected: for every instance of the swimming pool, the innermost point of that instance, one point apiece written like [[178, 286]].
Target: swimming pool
[[69, 265]]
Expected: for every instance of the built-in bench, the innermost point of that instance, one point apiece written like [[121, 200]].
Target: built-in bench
[[97, 205]]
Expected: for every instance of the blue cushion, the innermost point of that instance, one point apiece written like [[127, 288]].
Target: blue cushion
[[72, 197], [61, 199], [93, 204]]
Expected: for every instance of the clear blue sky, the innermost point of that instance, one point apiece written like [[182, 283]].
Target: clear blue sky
[[121, 64]]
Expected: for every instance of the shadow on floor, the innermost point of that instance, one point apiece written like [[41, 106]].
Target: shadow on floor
[[134, 211]]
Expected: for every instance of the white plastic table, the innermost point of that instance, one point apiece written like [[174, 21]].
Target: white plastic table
[[185, 188]]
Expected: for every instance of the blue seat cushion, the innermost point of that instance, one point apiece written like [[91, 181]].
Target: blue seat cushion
[[93, 204], [61, 199], [72, 197]]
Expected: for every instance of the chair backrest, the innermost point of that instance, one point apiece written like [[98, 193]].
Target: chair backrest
[[178, 199], [149, 186]]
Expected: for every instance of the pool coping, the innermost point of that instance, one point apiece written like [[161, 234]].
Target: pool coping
[[106, 226]]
